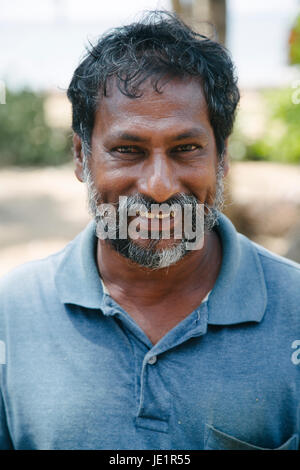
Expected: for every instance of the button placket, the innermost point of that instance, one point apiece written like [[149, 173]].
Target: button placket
[[152, 360], [155, 399]]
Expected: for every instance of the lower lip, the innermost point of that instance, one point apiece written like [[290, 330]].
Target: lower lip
[[157, 225]]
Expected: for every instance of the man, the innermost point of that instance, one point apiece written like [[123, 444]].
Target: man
[[130, 342]]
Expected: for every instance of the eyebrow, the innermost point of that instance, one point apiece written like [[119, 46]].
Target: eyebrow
[[195, 132], [130, 137]]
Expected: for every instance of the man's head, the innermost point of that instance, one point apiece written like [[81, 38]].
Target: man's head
[[158, 46], [153, 106]]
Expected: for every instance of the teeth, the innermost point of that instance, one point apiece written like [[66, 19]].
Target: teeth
[[148, 215]]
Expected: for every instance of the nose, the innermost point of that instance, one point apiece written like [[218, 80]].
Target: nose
[[159, 180]]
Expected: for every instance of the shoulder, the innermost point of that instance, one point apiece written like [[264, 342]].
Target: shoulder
[[24, 285], [276, 264], [35, 287], [281, 278]]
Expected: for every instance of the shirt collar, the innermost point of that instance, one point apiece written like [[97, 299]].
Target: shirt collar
[[239, 294], [77, 278]]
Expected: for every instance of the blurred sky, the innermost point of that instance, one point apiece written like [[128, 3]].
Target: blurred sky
[[41, 41]]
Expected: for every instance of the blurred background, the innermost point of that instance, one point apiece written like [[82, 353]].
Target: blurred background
[[43, 206]]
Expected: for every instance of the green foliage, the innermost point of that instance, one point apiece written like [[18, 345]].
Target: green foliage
[[294, 42], [25, 137], [280, 140]]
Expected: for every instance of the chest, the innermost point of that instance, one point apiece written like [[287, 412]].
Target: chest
[[112, 397]]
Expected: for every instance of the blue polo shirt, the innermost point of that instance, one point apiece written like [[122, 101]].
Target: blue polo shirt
[[78, 373]]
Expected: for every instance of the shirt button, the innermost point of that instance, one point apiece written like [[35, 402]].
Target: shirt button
[[152, 360]]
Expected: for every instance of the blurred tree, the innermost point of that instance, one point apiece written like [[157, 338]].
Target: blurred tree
[[280, 141], [25, 136], [294, 43], [203, 14]]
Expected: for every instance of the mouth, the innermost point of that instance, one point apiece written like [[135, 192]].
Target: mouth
[[159, 215], [152, 223]]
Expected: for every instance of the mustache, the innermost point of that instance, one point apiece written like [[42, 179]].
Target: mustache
[[134, 201], [210, 214]]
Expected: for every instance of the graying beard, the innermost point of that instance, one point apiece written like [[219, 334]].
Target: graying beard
[[156, 259], [149, 257]]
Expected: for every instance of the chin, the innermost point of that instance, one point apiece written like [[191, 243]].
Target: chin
[[157, 244], [151, 254]]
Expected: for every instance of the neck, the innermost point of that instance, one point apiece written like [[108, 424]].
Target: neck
[[197, 270]]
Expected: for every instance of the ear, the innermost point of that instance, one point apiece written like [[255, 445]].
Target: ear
[[78, 157], [226, 164]]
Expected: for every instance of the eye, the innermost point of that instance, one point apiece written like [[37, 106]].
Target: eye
[[127, 149], [186, 148]]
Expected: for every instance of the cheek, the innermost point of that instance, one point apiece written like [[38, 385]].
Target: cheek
[[111, 183], [202, 183]]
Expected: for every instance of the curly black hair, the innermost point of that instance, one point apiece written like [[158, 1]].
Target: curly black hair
[[158, 46]]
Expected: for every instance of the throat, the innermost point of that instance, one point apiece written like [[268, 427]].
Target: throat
[[156, 319], [158, 300]]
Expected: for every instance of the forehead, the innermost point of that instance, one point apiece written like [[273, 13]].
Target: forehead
[[180, 103]]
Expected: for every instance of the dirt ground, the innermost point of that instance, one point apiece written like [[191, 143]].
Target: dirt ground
[[43, 209], [40, 211]]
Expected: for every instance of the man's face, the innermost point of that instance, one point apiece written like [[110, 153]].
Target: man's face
[[159, 147]]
